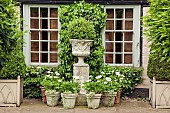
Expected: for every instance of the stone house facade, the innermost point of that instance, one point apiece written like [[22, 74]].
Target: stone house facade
[[122, 37]]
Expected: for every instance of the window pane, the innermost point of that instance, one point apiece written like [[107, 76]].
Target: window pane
[[109, 58], [119, 24], [44, 46], [110, 25], [53, 57], [119, 13], [119, 36], [110, 13], [119, 47], [44, 12], [53, 23], [53, 12], [44, 35], [128, 13], [44, 57], [53, 35], [118, 58], [34, 46], [34, 57], [128, 59], [128, 36], [109, 36], [34, 12], [34, 24], [44, 24], [53, 46], [128, 25], [128, 47], [109, 47], [34, 35]]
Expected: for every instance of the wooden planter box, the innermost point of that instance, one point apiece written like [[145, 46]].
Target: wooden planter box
[[159, 94], [11, 92]]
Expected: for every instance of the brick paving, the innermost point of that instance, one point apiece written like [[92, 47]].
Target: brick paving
[[126, 106]]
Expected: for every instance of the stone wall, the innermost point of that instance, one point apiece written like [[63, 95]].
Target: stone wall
[[145, 57]]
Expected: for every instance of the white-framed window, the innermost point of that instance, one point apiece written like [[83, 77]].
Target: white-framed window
[[121, 36], [41, 24]]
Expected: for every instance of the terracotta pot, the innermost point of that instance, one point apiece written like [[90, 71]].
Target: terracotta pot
[[44, 100], [118, 98]]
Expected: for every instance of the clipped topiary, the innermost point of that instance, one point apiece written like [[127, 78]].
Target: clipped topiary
[[81, 29], [157, 24]]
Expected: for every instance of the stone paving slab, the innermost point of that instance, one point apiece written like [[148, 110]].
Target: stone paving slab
[[126, 106]]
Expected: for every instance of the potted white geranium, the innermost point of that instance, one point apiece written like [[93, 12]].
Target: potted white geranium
[[52, 85], [70, 90], [94, 89]]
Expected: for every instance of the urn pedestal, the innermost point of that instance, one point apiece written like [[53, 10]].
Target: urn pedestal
[[81, 49]]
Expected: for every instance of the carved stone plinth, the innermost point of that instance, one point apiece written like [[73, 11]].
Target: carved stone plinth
[[82, 75], [81, 49]]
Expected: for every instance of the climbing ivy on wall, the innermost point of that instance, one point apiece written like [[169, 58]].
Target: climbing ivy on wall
[[93, 13]]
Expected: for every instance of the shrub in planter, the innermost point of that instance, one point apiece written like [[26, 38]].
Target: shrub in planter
[[70, 90], [157, 31], [12, 62]]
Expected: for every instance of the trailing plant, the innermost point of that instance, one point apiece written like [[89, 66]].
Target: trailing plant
[[93, 13], [35, 75], [10, 31]]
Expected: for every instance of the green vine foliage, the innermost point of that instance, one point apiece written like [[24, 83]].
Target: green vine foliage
[[93, 13], [9, 28], [12, 61], [33, 78], [157, 28]]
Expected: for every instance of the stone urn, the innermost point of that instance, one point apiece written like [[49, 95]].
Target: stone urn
[[81, 49]]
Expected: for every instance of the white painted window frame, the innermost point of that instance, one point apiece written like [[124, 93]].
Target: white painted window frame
[[27, 35], [136, 33]]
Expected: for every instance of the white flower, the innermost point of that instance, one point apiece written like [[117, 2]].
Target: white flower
[[55, 76], [98, 81], [56, 73], [59, 80], [90, 76], [47, 75], [76, 77], [118, 73], [108, 79], [98, 77], [122, 75], [48, 71], [102, 72], [105, 82], [38, 67]]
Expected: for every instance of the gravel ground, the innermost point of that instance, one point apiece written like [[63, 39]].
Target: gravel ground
[[126, 106]]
